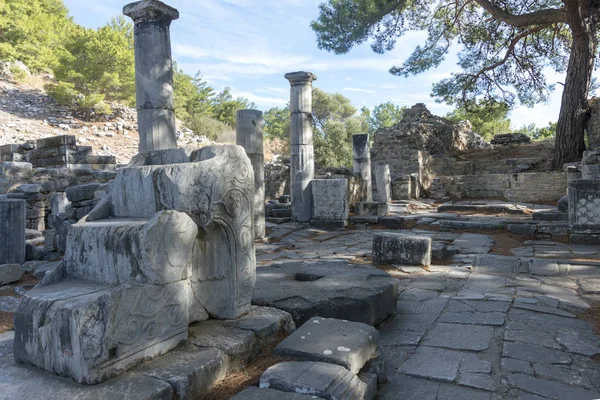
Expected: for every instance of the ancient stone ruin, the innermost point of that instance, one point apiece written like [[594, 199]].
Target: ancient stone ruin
[[436, 266]]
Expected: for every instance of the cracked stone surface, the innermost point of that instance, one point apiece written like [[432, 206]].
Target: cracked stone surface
[[486, 326]]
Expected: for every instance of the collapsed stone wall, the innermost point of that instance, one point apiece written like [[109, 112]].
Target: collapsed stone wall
[[541, 187], [411, 146]]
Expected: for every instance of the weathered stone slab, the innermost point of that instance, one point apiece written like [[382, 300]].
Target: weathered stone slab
[[533, 353], [475, 318], [549, 389], [93, 331], [518, 366], [433, 306], [20, 382], [330, 199], [235, 342], [327, 289], [460, 337], [383, 181], [254, 393], [265, 322], [402, 249], [9, 303], [539, 338], [10, 273], [344, 343], [190, 373], [578, 342], [546, 310], [371, 209], [472, 363], [432, 363], [478, 381], [314, 378]]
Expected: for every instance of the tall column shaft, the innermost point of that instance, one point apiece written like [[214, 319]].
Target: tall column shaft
[[384, 182], [249, 135], [301, 144], [362, 164], [12, 231], [154, 74]]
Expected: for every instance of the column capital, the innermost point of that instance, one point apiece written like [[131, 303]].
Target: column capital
[[150, 10], [300, 78]]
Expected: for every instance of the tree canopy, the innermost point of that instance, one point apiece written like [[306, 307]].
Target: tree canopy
[[487, 119], [505, 47]]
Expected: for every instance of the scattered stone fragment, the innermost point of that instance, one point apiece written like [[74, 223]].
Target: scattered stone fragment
[[314, 378], [349, 344], [401, 249], [10, 273], [9, 303]]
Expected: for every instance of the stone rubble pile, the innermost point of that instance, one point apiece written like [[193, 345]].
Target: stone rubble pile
[[511, 138]]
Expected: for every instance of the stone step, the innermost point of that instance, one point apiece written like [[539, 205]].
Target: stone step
[[317, 378], [349, 344], [254, 393]]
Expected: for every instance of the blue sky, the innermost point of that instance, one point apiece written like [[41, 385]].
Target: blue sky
[[250, 44]]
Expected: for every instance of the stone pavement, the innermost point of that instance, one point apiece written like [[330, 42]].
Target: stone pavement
[[486, 326]]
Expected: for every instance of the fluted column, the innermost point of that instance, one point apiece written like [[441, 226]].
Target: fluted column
[[301, 144], [154, 73]]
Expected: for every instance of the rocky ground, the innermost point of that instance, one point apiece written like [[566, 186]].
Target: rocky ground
[[28, 114]]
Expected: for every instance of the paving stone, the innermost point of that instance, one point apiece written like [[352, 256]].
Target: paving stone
[[349, 344], [315, 378], [547, 322], [432, 363], [460, 337], [404, 387], [562, 373], [472, 363], [264, 322], [433, 306], [475, 318], [254, 393], [530, 336], [579, 343], [190, 373], [546, 310], [327, 289], [478, 381], [518, 366], [533, 353], [418, 295], [400, 338], [6, 343], [20, 382], [394, 357], [453, 392], [497, 265], [477, 305], [549, 389]]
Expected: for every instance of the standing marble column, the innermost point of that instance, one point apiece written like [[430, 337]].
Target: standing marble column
[[154, 73], [249, 135], [301, 144], [362, 164], [384, 182], [12, 231]]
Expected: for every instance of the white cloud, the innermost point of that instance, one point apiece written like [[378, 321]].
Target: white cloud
[[360, 90]]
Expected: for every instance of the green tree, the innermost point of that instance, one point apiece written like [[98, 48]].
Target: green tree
[[33, 32], [335, 121], [487, 119], [225, 106], [193, 95], [505, 48], [536, 133], [97, 65], [385, 115], [277, 123]]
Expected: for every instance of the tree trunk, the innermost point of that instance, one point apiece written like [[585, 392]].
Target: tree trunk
[[570, 129]]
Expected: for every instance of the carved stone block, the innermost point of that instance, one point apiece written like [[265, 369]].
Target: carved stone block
[[584, 205]]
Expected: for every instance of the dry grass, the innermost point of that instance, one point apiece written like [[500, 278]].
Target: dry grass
[[275, 147], [6, 321], [245, 376]]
